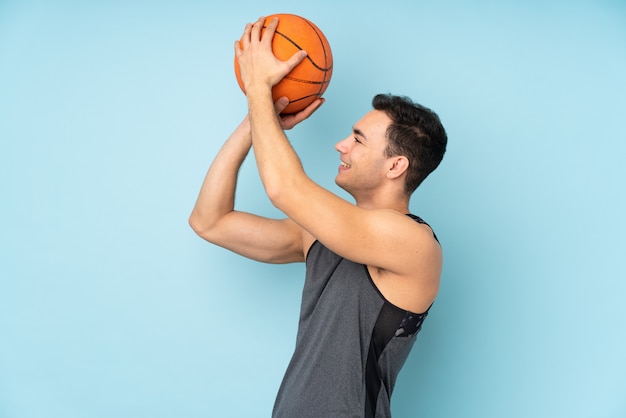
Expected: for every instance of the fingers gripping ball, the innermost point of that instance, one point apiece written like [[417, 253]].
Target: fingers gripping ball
[[309, 79]]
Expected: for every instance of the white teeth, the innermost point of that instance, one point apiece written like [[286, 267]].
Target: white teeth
[[346, 165]]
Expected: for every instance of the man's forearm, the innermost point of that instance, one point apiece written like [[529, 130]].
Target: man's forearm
[[217, 195], [279, 167]]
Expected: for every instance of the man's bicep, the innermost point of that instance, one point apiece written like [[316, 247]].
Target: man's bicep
[[258, 238]]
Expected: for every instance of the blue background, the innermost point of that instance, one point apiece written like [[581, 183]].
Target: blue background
[[111, 112]]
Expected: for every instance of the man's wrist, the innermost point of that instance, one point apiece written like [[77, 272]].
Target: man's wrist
[[258, 90]]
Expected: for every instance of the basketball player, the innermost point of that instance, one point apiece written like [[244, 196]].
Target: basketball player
[[372, 269]]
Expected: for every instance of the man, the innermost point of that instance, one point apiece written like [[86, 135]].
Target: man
[[372, 268]]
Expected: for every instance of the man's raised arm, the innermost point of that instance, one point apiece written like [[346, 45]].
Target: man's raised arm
[[215, 219]]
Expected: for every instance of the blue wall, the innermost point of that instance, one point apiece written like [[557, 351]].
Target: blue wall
[[111, 112]]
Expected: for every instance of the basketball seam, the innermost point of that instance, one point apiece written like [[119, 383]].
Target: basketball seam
[[300, 80], [323, 85], [304, 97], [291, 41]]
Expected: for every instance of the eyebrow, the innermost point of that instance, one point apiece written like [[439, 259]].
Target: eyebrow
[[358, 132]]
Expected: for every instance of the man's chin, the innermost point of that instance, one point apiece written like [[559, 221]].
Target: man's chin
[[343, 186]]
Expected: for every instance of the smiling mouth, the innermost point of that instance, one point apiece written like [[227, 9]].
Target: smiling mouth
[[345, 165]]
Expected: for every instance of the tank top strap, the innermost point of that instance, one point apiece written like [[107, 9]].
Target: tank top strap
[[421, 221]]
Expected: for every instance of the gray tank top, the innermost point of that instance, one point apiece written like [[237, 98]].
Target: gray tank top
[[350, 346]]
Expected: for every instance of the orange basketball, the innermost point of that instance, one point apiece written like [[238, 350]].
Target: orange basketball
[[309, 79]]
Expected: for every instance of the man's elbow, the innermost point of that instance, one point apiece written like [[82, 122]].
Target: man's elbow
[[199, 226], [282, 193], [274, 195]]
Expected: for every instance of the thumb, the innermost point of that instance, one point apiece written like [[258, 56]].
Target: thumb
[[296, 59], [281, 104]]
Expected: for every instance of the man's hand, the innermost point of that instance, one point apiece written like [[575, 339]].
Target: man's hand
[[258, 65], [289, 121]]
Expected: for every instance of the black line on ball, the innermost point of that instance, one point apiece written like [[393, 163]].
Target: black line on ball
[[300, 80], [291, 41], [319, 36]]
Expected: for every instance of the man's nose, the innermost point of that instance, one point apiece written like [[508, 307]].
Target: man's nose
[[342, 146]]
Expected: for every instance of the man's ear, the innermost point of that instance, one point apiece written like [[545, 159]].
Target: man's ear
[[399, 165]]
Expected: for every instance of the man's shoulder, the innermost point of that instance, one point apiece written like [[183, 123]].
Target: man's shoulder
[[424, 226]]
